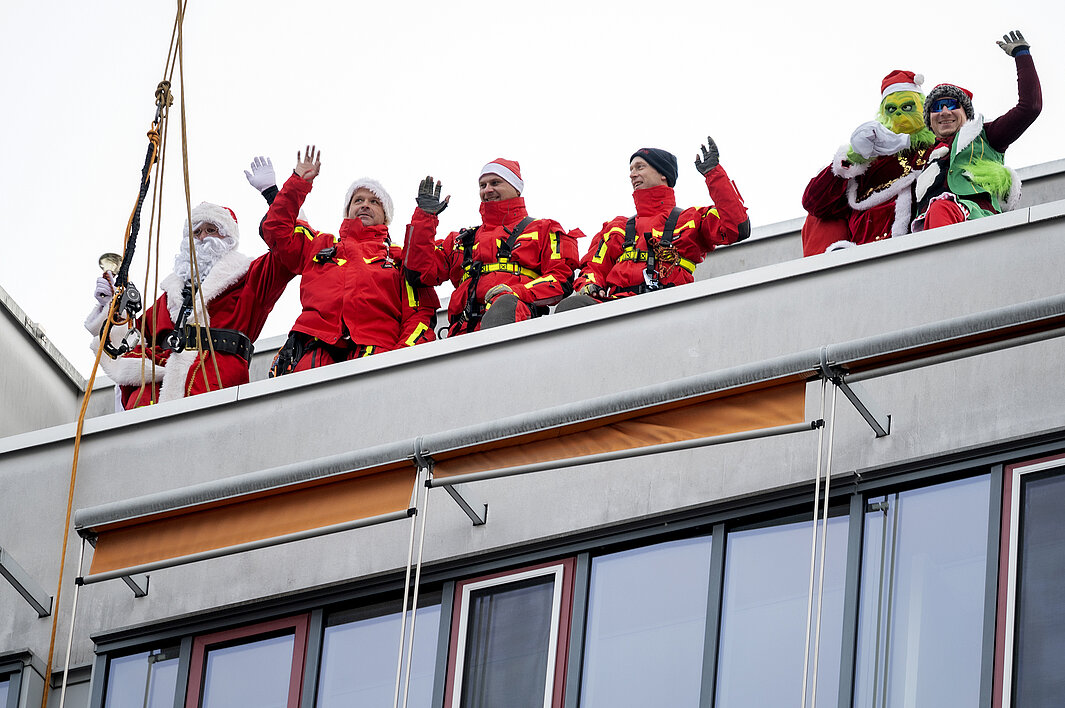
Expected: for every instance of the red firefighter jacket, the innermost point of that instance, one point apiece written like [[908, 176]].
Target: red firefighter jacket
[[539, 270], [698, 231], [359, 290]]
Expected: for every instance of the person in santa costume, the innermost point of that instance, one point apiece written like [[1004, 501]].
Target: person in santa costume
[[966, 177], [170, 354], [508, 269], [356, 300], [866, 194], [662, 244]]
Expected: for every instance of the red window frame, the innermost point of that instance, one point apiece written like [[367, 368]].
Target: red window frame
[[558, 688], [205, 642]]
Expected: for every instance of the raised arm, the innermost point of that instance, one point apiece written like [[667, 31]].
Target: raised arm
[[1004, 130], [731, 224], [424, 260], [279, 230]]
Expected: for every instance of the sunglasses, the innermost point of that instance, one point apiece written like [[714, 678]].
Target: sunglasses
[[948, 103]]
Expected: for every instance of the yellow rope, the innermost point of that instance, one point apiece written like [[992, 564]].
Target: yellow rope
[[154, 138]]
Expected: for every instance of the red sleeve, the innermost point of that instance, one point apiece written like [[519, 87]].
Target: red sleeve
[[558, 258], [279, 228], [424, 259], [602, 254], [1004, 130], [826, 196], [731, 213], [417, 314]]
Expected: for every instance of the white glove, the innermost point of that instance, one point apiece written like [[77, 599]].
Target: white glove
[[104, 291], [262, 173], [873, 138]]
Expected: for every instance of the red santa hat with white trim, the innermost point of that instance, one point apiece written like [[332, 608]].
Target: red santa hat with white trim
[[509, 170], [220, 216], [900, 80]]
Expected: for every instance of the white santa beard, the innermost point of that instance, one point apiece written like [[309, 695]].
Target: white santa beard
[[209, 251]]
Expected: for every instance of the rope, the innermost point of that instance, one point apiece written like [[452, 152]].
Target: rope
[[129, 240]]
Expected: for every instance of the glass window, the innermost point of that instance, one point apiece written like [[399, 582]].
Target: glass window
[[1040, 612], [764, 611], [5, 686], [359, 658], [259, 666], [507, 644], [921, 621], [646, 626], [144, 680]]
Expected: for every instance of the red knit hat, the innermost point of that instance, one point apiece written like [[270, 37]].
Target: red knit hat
[[509, 170], [900, 80]]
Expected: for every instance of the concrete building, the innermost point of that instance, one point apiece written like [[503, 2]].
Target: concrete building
[[613, 506]]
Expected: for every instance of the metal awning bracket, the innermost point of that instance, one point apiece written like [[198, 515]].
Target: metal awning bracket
[[137, 583], [424, 461], [857, 395], [25, 585], [477, 519]]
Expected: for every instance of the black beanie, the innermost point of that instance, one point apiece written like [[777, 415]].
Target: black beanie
[[963, 97], [664, 162]]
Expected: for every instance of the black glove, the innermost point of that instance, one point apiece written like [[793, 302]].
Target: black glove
[[1013, 42], [429, 197], [710, 157]]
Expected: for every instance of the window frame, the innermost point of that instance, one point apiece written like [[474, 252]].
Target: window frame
[[12, 673], [561, 618], [1006, 619], [204, 642]]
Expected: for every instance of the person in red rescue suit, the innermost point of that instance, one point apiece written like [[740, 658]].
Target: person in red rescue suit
[[866, 194], [660, 246], [356, 301], [508, 269], [966, 177], [172, 358]]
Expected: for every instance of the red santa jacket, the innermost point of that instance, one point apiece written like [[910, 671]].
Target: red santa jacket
[[861, 203], [539, 269], [698, 231], [359, 291], [239, 294]]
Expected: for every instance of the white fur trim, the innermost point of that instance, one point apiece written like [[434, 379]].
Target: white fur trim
[[1014, 197], [177, 374], [840, 245], [494, 168], [969, 132], [929, 175], [375, 187], [227, 271], [895, 88], [903, 204], [846, 171], [899, 187], [217, 215], [126, 370]]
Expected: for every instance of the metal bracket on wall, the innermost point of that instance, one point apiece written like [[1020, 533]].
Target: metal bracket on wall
[[25, 585], [425, 461], [857, 395], [137, 583]]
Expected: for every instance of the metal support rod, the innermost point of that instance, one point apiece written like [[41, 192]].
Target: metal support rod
[[26, 586], [139, 589], [70, 639], [417, 585], [881, 424], [415, 495], [477, 519], [623, 454], [242, 547], [824, 544], [813, 548]]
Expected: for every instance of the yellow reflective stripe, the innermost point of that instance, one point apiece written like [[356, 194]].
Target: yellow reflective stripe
[[544, 279], [305, 232], [555, 240], [412, 297], [713, 210], [418, 331], [689, 225], [341, 261]]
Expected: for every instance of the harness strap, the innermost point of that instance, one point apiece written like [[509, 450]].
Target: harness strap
[[507, 247], [513, 268], [226, 341], [642, 257]]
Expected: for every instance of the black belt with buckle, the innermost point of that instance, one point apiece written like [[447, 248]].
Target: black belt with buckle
[[226, 341]]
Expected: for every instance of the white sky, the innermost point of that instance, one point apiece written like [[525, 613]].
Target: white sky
[[397, 90]]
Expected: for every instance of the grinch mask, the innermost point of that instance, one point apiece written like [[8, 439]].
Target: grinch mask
[[903, 112]]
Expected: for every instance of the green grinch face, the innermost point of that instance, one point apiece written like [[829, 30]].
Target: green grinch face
[[903, 112]]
